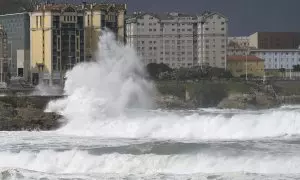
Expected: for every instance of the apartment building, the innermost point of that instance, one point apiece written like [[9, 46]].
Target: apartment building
[[212, 39], [57, 41], [3, 58], [99, 16], [163, 38], [63, 35], [176, 39], [275, 40], [278, 58], [237, 46], [17, 28]]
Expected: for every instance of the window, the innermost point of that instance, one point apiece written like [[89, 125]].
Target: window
[[222, 23], [222, 29]]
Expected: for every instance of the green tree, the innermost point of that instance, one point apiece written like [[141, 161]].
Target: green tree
[[296, 68]]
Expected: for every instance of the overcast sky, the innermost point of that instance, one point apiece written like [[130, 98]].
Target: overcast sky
[[245, 16]]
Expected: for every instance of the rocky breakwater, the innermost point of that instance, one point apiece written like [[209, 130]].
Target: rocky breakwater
[[27, 113], [249, 101]]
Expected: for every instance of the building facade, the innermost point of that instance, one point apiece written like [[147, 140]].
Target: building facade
[[278, 58], [17, 28], [57, 41], [242, 65], [176, 39], [238, 46], [163, 38], [100, 16], [63, 35], [212, 39], [275, 40], [3, 58]]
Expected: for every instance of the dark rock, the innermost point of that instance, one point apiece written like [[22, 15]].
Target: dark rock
[[249, 101], [26, 113]]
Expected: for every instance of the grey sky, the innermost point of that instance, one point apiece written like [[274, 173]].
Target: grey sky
[[245, 16]]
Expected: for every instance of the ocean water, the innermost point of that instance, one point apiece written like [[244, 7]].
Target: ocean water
[[113, 131]]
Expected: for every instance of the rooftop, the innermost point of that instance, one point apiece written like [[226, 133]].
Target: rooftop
[[162, 16], [73, 8], [244, 58]]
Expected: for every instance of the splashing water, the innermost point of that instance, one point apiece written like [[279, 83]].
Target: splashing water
[[107, 86], [46, 90]]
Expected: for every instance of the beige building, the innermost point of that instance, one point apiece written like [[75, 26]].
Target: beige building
[[57, 41], [99, 16], [3, 58], [63, 35], [242, 65]]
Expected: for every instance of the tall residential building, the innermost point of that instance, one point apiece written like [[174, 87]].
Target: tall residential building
[[63, 35], [3, 57], [275, 40], [163, 38], [17, 28], [278, 58], [57, 41], [99, 16], [176, 39], [237, 46], [212, 39]]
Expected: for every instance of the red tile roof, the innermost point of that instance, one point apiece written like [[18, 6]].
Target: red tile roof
[[243, 58]]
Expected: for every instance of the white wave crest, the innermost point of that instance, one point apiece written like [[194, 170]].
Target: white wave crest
[[160, 125], [70, 162]]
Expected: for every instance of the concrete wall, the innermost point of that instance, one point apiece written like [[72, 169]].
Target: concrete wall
[[255, 68], [253, 40]]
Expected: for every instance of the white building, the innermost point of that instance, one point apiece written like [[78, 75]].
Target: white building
[[278, 58], [175, 39], [237, 46], [212, 39], [3, 58]]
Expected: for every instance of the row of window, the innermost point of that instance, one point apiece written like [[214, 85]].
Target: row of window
[[282, 59], [278, 53], [271, 66]]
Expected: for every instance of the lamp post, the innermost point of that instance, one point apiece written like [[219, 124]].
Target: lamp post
[[202, 42], [1, 70], [247, 63]]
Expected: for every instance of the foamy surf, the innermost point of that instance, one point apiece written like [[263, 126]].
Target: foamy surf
[[193, 126], [70, 162]]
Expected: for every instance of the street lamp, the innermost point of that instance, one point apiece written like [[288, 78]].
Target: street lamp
[[247, 51], [202, 41]]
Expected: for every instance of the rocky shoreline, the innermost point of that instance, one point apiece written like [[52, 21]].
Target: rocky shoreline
[[27, 112], [19, 113]]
